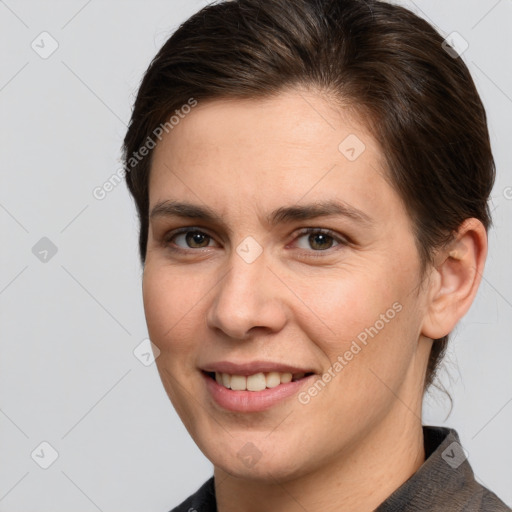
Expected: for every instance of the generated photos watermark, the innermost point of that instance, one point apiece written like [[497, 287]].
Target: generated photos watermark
[[355, 348], [101, 191]]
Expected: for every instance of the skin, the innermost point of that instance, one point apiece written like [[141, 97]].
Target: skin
[[300, 302]]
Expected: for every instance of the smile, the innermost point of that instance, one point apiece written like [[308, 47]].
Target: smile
[[258, 390], [256, 382]]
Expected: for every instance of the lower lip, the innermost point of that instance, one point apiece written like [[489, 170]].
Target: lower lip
[[252, 401]]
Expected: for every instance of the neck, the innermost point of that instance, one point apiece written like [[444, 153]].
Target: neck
[[358, 480]]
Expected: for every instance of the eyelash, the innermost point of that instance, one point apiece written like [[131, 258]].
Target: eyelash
[[303, 232]]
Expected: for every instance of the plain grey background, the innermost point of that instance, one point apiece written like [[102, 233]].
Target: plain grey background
[[70, 320]]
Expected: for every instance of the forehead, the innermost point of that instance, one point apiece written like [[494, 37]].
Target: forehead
[[274, 150]]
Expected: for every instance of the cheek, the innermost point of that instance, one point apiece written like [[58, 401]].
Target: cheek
[[368, 319], [171, 304], [343, 304]]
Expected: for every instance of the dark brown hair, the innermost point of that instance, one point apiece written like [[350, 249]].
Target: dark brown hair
[[389, 65]]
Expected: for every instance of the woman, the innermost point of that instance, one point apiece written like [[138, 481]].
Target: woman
[[311, 178]]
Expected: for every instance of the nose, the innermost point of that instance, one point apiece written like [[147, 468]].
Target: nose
[[247, 300]]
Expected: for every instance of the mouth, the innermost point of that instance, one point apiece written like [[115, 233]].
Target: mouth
[[257, 381], [254, 386]]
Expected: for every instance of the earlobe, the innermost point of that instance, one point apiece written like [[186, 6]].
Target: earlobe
[[455, 279]]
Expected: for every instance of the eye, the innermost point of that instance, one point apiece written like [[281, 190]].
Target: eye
[[309, 239], [188, 239], [318, 239]]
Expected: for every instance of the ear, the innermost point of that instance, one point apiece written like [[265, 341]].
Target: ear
[[455, 279]]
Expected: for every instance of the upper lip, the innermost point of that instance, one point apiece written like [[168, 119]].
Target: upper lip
[[252, 367]]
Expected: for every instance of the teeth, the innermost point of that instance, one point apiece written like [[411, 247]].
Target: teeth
[[238, 382], [226, 379], [256, 382], [273, 379], [286, 377]]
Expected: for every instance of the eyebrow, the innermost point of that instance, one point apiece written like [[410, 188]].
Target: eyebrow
[[285, 214]]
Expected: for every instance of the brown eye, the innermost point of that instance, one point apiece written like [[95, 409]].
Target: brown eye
[[196, 239], [318, 240], [189, 239]]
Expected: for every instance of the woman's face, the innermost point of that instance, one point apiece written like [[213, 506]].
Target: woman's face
[[238, 293]]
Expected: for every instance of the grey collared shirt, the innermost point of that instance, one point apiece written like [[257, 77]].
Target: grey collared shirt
[[444, 483]]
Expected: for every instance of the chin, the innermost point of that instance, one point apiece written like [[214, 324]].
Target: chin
[[258, 460]]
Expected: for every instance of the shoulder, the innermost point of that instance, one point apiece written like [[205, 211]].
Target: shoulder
[[203, 500], [445, 482]]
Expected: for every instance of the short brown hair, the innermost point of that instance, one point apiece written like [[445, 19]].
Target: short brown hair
[[389, 65]]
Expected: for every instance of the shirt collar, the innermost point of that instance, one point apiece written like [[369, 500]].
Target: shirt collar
[[444, 475]]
